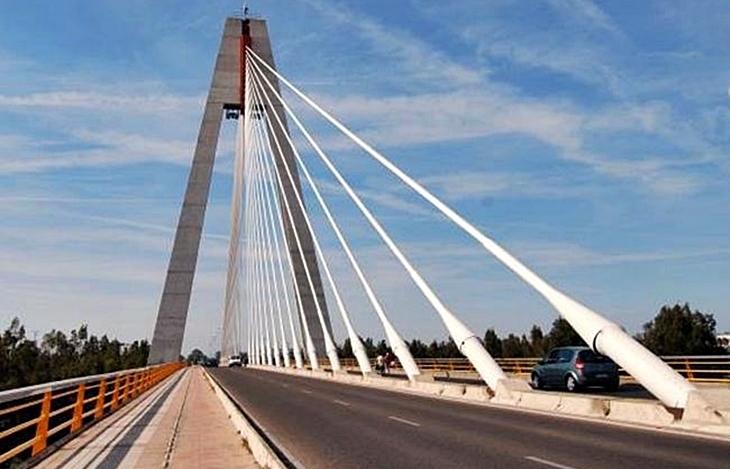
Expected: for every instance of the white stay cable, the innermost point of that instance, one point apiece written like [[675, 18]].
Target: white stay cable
[[248, 298], [308, 343], [603, 335], [355, 341], [272, 201], [228, 333], [251, 116], [251, 304], [296, 349], [265, 340], [465, 339], [311, 352], [260, 275], [237, 310], [329, 343], [271, 194], [252, 280], [273, 280], [266, 261], [248, 303], [270, 232], [399, 347], [266, 300], [357, 346]]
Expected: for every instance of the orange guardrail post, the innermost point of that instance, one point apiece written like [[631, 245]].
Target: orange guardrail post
[[127, 384], [78, 408], [41, 432], [688, 368], [100, 400], [115, 394]]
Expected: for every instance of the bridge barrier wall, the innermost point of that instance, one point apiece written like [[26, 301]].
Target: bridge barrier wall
[[640, 412], [476, 393], [36, 417], [708, 406]]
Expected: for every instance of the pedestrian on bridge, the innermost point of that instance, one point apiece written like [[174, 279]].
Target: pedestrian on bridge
[[388, 362], [379, 364]]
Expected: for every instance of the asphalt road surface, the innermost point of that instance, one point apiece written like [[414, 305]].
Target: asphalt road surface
[[325, 425]]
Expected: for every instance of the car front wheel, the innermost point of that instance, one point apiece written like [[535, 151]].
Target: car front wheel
[[536, 381]]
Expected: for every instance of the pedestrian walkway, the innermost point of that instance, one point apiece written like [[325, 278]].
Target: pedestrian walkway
[[179, 425]]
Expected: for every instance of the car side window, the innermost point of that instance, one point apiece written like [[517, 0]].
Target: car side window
[[565, 356], [553, 356]]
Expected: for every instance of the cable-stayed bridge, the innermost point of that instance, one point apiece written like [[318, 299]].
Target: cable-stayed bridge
[[282, 295]]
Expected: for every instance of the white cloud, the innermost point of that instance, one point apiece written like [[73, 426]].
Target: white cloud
[[462, 115], [571, 255], [118, 149], [97, 148], [104, 102], [454, 116], [478, 185], [586, 12], [423, 63]]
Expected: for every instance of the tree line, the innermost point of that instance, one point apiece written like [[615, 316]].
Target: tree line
[[675, 330], [25, 362]]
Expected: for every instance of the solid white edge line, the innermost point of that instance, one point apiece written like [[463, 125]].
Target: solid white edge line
[[407, 422], [548, 463]]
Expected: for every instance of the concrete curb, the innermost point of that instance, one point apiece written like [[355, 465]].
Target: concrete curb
[[264, 455], [652, 414]]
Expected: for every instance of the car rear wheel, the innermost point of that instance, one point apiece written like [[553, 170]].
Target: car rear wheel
[[571, 384], [613, 386], [536, 381]]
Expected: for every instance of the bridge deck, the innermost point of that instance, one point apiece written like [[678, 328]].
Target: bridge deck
[[182, 424]]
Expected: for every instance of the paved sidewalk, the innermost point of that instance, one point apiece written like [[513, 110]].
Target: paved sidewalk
[[205, 437], [180, 425]]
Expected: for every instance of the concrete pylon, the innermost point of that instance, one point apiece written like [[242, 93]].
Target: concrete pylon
[[226, 94]]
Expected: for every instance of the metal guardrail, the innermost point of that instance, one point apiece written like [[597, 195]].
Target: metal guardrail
[[702, 369], [34, 417]]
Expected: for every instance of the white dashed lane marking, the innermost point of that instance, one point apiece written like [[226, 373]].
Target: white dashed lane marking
[[407, 422], [548, 463]]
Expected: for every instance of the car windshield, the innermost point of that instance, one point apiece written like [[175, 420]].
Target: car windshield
[[587, 356]]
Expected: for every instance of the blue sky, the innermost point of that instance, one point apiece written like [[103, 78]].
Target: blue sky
[[591, 139]]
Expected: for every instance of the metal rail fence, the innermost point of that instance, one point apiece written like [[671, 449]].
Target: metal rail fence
[[34, 417], [702, 369]]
